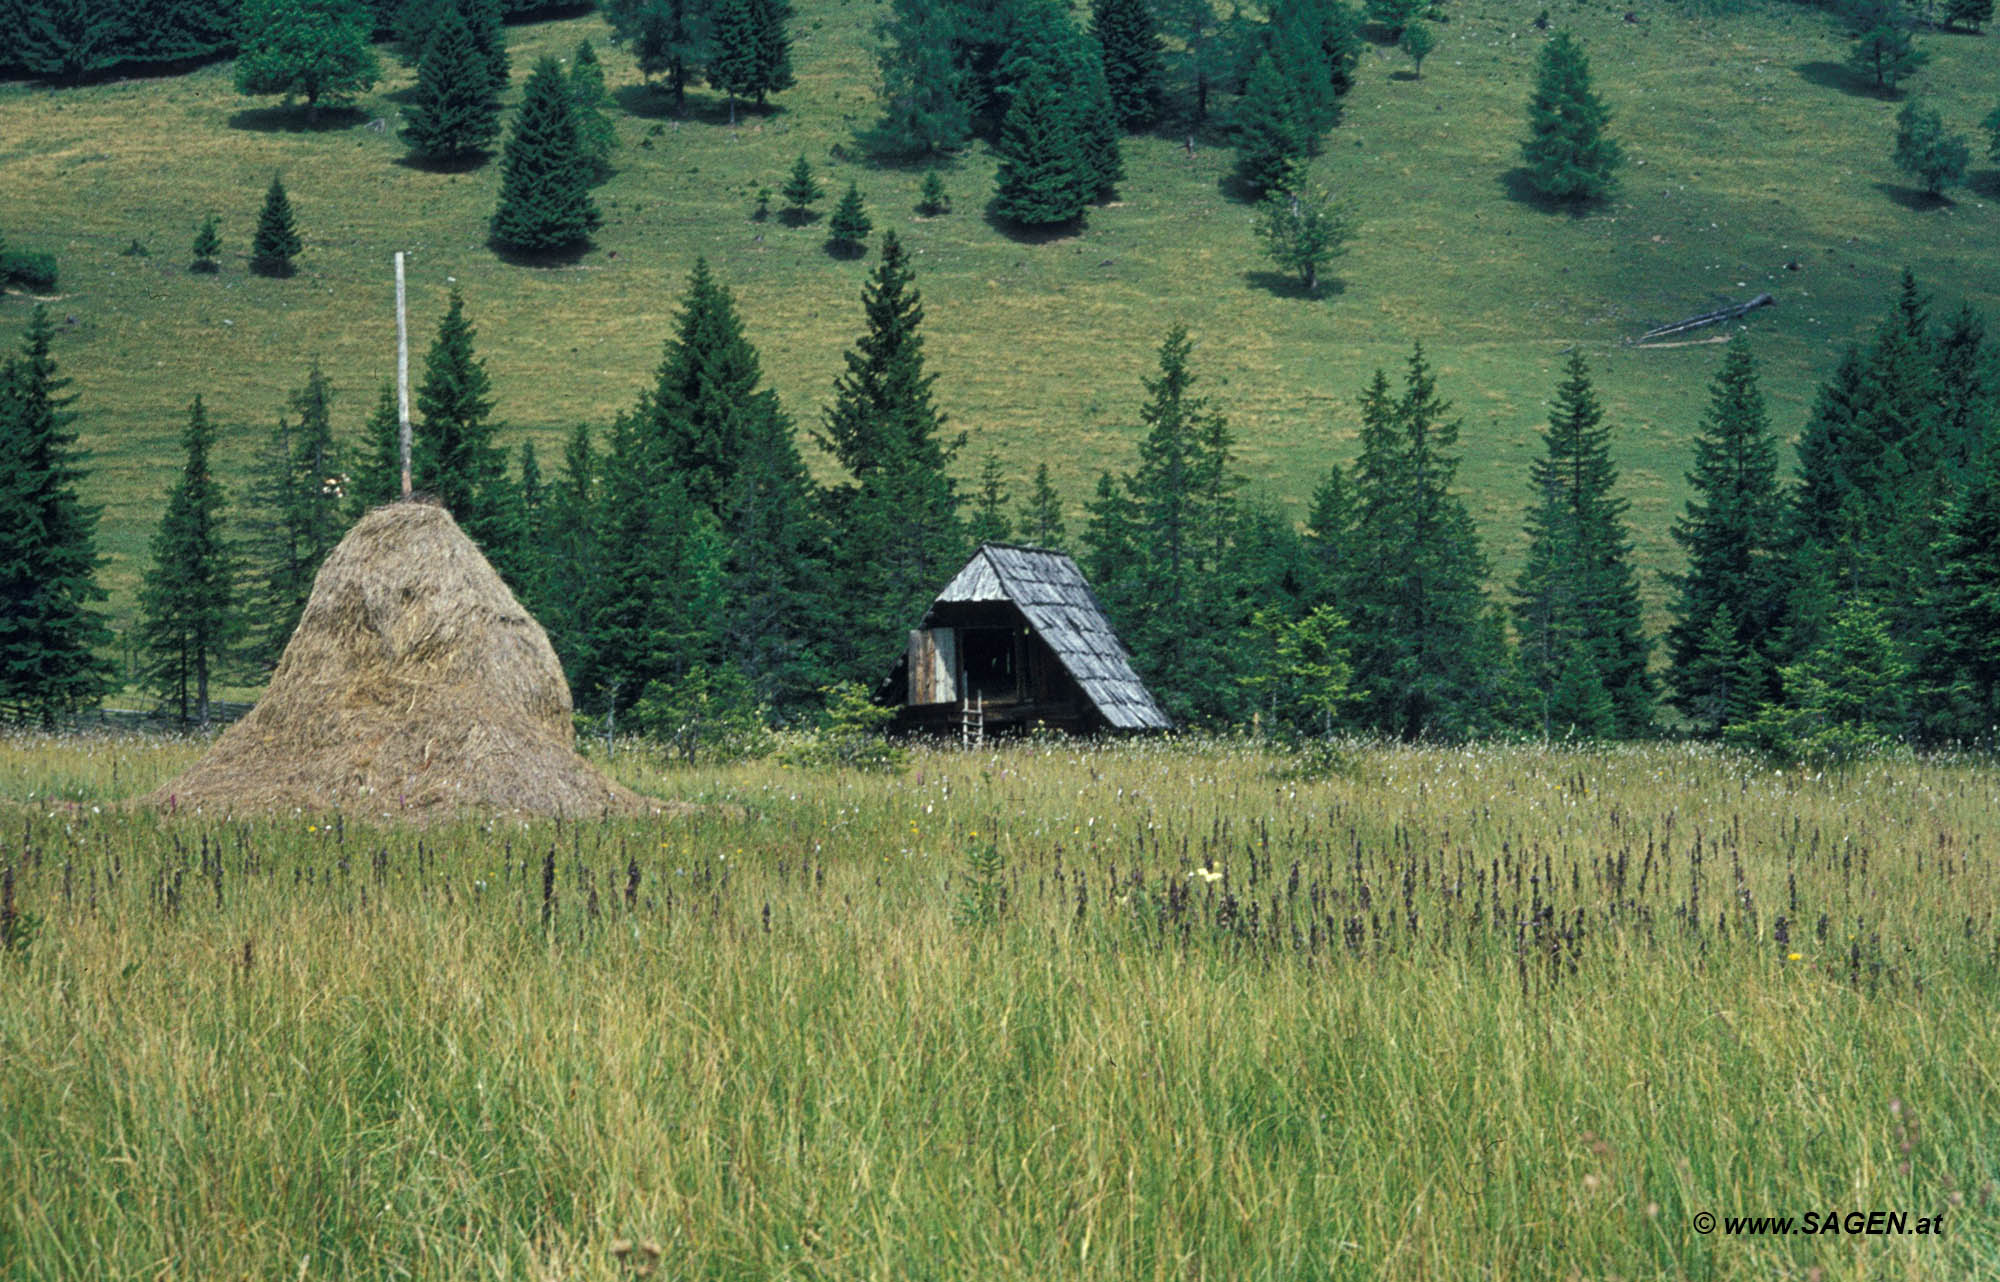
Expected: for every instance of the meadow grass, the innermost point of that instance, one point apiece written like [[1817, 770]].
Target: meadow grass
[[1748, 149], [1504, 1012]]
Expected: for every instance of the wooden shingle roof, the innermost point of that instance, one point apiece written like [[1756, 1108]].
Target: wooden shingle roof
[[1052, 594]]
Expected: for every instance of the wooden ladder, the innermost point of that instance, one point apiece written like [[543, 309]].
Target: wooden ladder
[[972, 722]]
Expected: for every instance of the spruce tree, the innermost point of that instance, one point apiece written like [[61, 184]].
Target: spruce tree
[[545, 202], [897, 523], [1970, 381], [595, 135], [849, 227], [800, 191], [1967, 15], [667, 37], [1732, 533], [1042, 513], [296, 513], [1166, 578], [277, 240], [207, 245], [1272, 135], [377, 474], [1329, 546], [452, 454], [455, 114], [564, 586], [750, 51], [1569, 158], [1576, 602], [707, 401], [1959, 667], [922, 93], [1129, 37], [188, 608], [931, 198], [1429, 658], [989, 522], [49, 634], [1043, 179], [777, 612], [1847, 697]]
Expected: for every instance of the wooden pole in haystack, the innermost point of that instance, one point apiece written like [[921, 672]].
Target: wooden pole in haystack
[[403, 373]]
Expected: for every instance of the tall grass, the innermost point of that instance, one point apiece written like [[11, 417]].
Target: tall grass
[[1495, 1013]]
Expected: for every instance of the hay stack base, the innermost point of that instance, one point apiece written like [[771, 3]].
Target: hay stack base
[[415, 685]]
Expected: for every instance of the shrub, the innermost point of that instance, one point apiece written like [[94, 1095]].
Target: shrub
[[31, 269]]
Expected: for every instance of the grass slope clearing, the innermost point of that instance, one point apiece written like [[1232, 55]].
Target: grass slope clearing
[[1749, 147], [1487, 1014]]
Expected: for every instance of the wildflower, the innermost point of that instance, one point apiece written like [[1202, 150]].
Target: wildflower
[[1795, 956], [1209, 875]]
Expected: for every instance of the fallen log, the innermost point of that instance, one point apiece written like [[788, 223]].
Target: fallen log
[[1707, 318]]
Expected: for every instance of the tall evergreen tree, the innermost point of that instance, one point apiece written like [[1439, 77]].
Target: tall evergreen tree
[[1129, 36], [68, 39], [1429, 657], [452, 454], [750, 53], [922, 94], [1163, 566], [188, 609], [777, 613], [595, 136], [296, 515], [277, 240], [456, 112], [1043, 180], [1273, 135], [1576, 601], [707, 403], [990, 522], [545, 202], [897, 524], [377, 474], [1959, 667], [1729, 606], [1569, 158], [49, 634], [668, 38], [1042, 513], [564, 586]]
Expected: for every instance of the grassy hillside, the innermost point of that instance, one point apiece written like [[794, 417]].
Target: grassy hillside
[[1748, 149], [1489, 1014]]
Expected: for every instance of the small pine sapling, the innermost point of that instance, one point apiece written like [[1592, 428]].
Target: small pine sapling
[[849, 226], [800, 191], [932, 200], [207, 246], [763, 210], [277, 239]]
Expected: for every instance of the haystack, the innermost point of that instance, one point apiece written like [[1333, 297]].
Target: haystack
[[415, 684]]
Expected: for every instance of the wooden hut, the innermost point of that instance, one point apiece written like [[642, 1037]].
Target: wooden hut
[[1017, 640]]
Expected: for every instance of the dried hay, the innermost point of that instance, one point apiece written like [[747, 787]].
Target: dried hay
[[414, 685]]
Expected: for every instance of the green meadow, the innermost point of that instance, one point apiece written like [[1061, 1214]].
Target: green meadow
[[1749, 149], [1495, 1013]]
